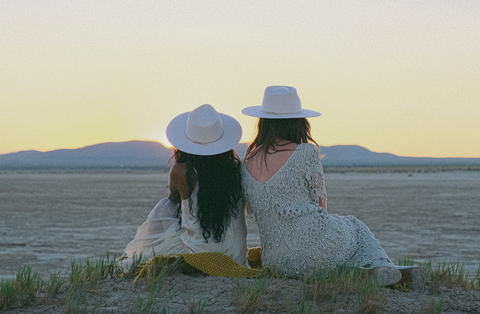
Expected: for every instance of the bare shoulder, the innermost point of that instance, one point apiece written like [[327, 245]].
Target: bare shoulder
[[178, 172]]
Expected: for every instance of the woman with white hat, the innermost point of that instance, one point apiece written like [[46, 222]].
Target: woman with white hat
[[283, 185], [204, 211]]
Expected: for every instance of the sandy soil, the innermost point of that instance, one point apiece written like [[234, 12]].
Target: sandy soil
[[48, 218]]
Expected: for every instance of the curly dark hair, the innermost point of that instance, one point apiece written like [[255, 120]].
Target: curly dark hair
[[295, 130], [220, 189]]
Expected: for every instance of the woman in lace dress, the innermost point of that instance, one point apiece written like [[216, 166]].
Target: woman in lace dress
[[283, 185], [204, 211]]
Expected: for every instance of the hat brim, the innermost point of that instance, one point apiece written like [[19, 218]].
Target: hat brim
[[232, 133], [256, 111]]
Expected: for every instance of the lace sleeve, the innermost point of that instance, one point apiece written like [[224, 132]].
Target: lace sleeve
[[314, 175]]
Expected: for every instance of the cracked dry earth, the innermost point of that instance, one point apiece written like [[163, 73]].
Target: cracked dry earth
[[423, 216]]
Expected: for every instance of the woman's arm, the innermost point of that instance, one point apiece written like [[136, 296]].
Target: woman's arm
[[314, 177], [177, 183]]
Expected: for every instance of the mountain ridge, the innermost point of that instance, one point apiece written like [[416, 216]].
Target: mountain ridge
[[151, 154]]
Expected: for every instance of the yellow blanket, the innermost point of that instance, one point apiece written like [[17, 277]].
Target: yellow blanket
[[212, 263]]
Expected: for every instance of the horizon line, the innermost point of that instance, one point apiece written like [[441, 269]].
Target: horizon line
[[171, 146]]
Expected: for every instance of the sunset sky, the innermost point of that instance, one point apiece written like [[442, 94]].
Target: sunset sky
[[397, 76]]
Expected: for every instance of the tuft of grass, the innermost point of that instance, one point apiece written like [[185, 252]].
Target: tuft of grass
[[451, 275], [250, 294], [332, 287], [84, 278], [25, 289], [52, 287], [134, 266], [78, 302], [475, 281], [455, 276], [7, 295], [406, 261], [149, 305], [435, 306], [87, 274], [28, 288], [154, 280]]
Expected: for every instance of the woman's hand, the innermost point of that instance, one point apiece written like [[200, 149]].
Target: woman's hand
[[174, 196]]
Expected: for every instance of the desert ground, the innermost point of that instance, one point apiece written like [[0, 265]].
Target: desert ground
[[49, 217]]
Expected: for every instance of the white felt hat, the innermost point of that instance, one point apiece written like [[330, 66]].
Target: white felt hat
[[280, 102], [204, 131]]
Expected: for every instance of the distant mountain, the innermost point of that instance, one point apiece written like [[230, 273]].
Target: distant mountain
[[148, 154], [108, 155], [358, 156]]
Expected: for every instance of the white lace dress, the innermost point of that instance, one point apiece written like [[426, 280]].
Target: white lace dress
[[162, 234], [295, 232]]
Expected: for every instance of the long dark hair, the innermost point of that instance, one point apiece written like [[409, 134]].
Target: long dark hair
[[219, 189], [295, 130]]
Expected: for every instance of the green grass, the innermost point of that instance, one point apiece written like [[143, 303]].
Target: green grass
[[252, 294], [475, 282], [435, 306], [344, 287], [24, 290], [154, 279], [135, 264], [451, 276], [28, 288], [87, 273], [333, 288], [406, 261]]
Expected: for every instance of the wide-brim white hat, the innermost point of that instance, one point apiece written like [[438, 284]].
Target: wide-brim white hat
[[280, 102], [204, 131]]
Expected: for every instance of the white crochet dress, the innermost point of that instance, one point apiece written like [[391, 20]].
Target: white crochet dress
[[295, 232]]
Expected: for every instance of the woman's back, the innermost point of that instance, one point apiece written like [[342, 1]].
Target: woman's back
[[233, 242], [262, 166], [287, 185], [212, 211]]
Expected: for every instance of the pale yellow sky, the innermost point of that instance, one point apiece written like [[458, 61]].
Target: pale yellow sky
[[393, 76]]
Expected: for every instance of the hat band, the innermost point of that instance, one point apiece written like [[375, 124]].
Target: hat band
[[279, 114], [205, 143]]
